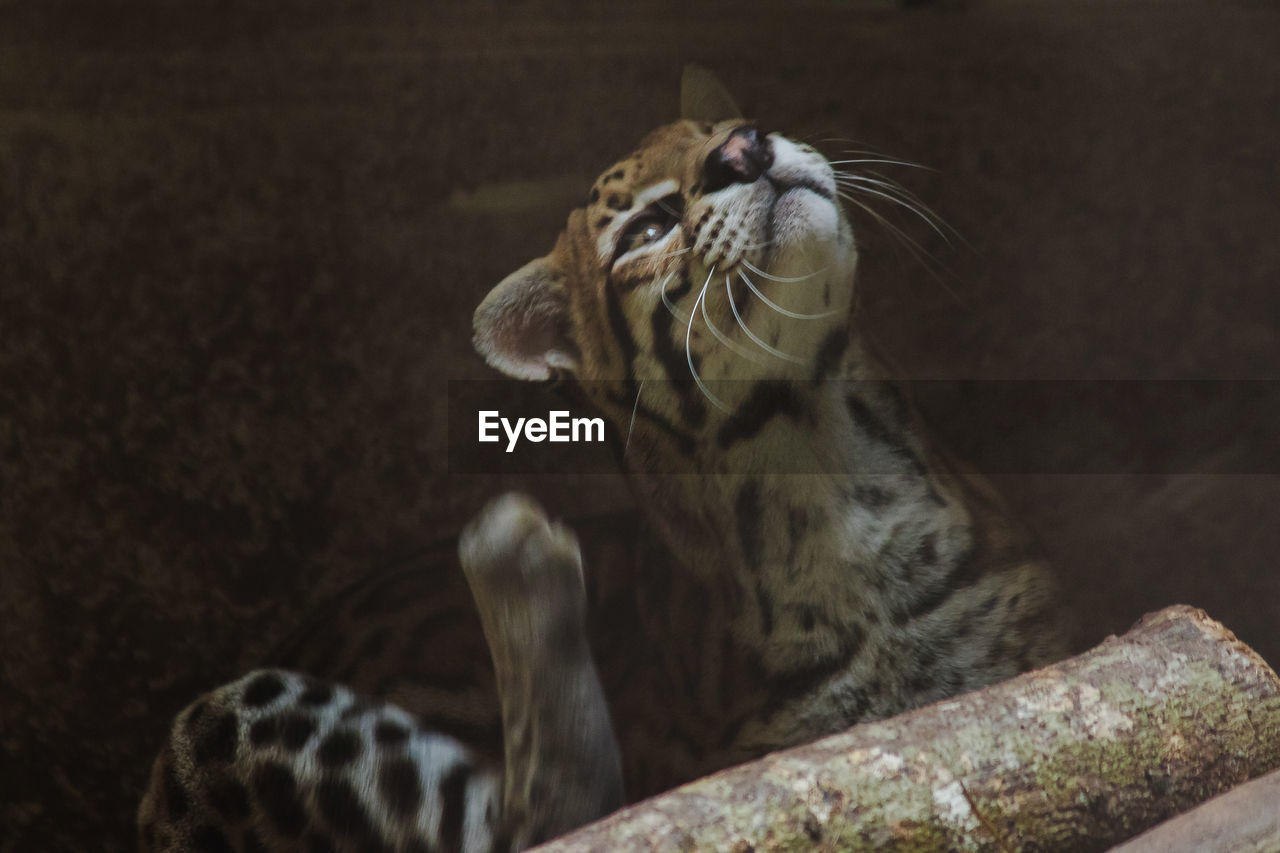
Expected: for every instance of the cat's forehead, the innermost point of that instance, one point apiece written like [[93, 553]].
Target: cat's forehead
[[663, 154]]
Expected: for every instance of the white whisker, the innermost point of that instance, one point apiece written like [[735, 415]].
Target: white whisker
[[666, 300], [777, 353], [884, 160], [916, 250], [862, 187], [755, 269], [889, 185], [688, 352], [776, 307], [735, 348], [874, 178], [673, 253], [631, 426]]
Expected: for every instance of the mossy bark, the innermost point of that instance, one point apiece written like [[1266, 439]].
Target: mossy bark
[[1075, 756]]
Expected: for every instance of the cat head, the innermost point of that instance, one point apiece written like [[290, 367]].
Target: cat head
[[715, 255]]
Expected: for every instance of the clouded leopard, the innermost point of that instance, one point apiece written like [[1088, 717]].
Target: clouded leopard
[[803, 557]]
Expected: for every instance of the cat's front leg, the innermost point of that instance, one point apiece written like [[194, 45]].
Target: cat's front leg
[[562, 765]]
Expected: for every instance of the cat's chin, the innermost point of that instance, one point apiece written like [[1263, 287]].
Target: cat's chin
[[808, 235]]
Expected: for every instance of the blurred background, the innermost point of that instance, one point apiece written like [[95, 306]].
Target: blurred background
[[240, 244]]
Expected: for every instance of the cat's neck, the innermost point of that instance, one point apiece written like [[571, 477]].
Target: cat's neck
[[814, 498]]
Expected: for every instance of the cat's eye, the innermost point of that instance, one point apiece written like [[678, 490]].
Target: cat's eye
[[650, 225], [647, 230]]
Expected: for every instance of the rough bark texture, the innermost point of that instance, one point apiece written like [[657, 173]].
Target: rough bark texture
[[1246, 819], [1076, 756]]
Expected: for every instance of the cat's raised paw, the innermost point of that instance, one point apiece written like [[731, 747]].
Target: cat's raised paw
[[512, 549]]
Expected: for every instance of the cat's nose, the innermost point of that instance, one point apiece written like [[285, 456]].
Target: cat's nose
[[740, 159]]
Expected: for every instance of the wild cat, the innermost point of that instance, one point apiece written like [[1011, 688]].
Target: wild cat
[[804, 557]]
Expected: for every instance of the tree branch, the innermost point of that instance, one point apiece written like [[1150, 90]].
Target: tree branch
[[1079, 755]]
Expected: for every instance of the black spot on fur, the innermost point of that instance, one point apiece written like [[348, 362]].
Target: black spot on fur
[[875, 428], [765, 603], [622, 334], [264, 689], [806, 618], [616, 175], [342, 809], [829, 353], [209, 839], [617, 201], [927, 553], [390, 734], [784, 687], [339, 749], [358, 708], [967, 570], [277, 793], [603, 222], [797, 529], [453, 792], [595, 195], [175, 796], [854, 636], [217, 743], [295, 730], [766, 401], [400, 787], [264, 732], [853, 703], [748, 510], [229, 798], [316, 696], [924, 678], [930, 600], [872, 497]]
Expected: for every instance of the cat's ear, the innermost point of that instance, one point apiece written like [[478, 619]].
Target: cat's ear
[[523, 327], [704, 98]]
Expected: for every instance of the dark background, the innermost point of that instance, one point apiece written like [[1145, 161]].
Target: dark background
[[240, 244]]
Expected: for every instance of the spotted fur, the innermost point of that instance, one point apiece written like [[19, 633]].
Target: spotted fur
[[804, 559], [282, 762]]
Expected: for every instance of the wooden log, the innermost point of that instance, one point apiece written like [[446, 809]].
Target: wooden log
[[1076, 756], [1246, 819]]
